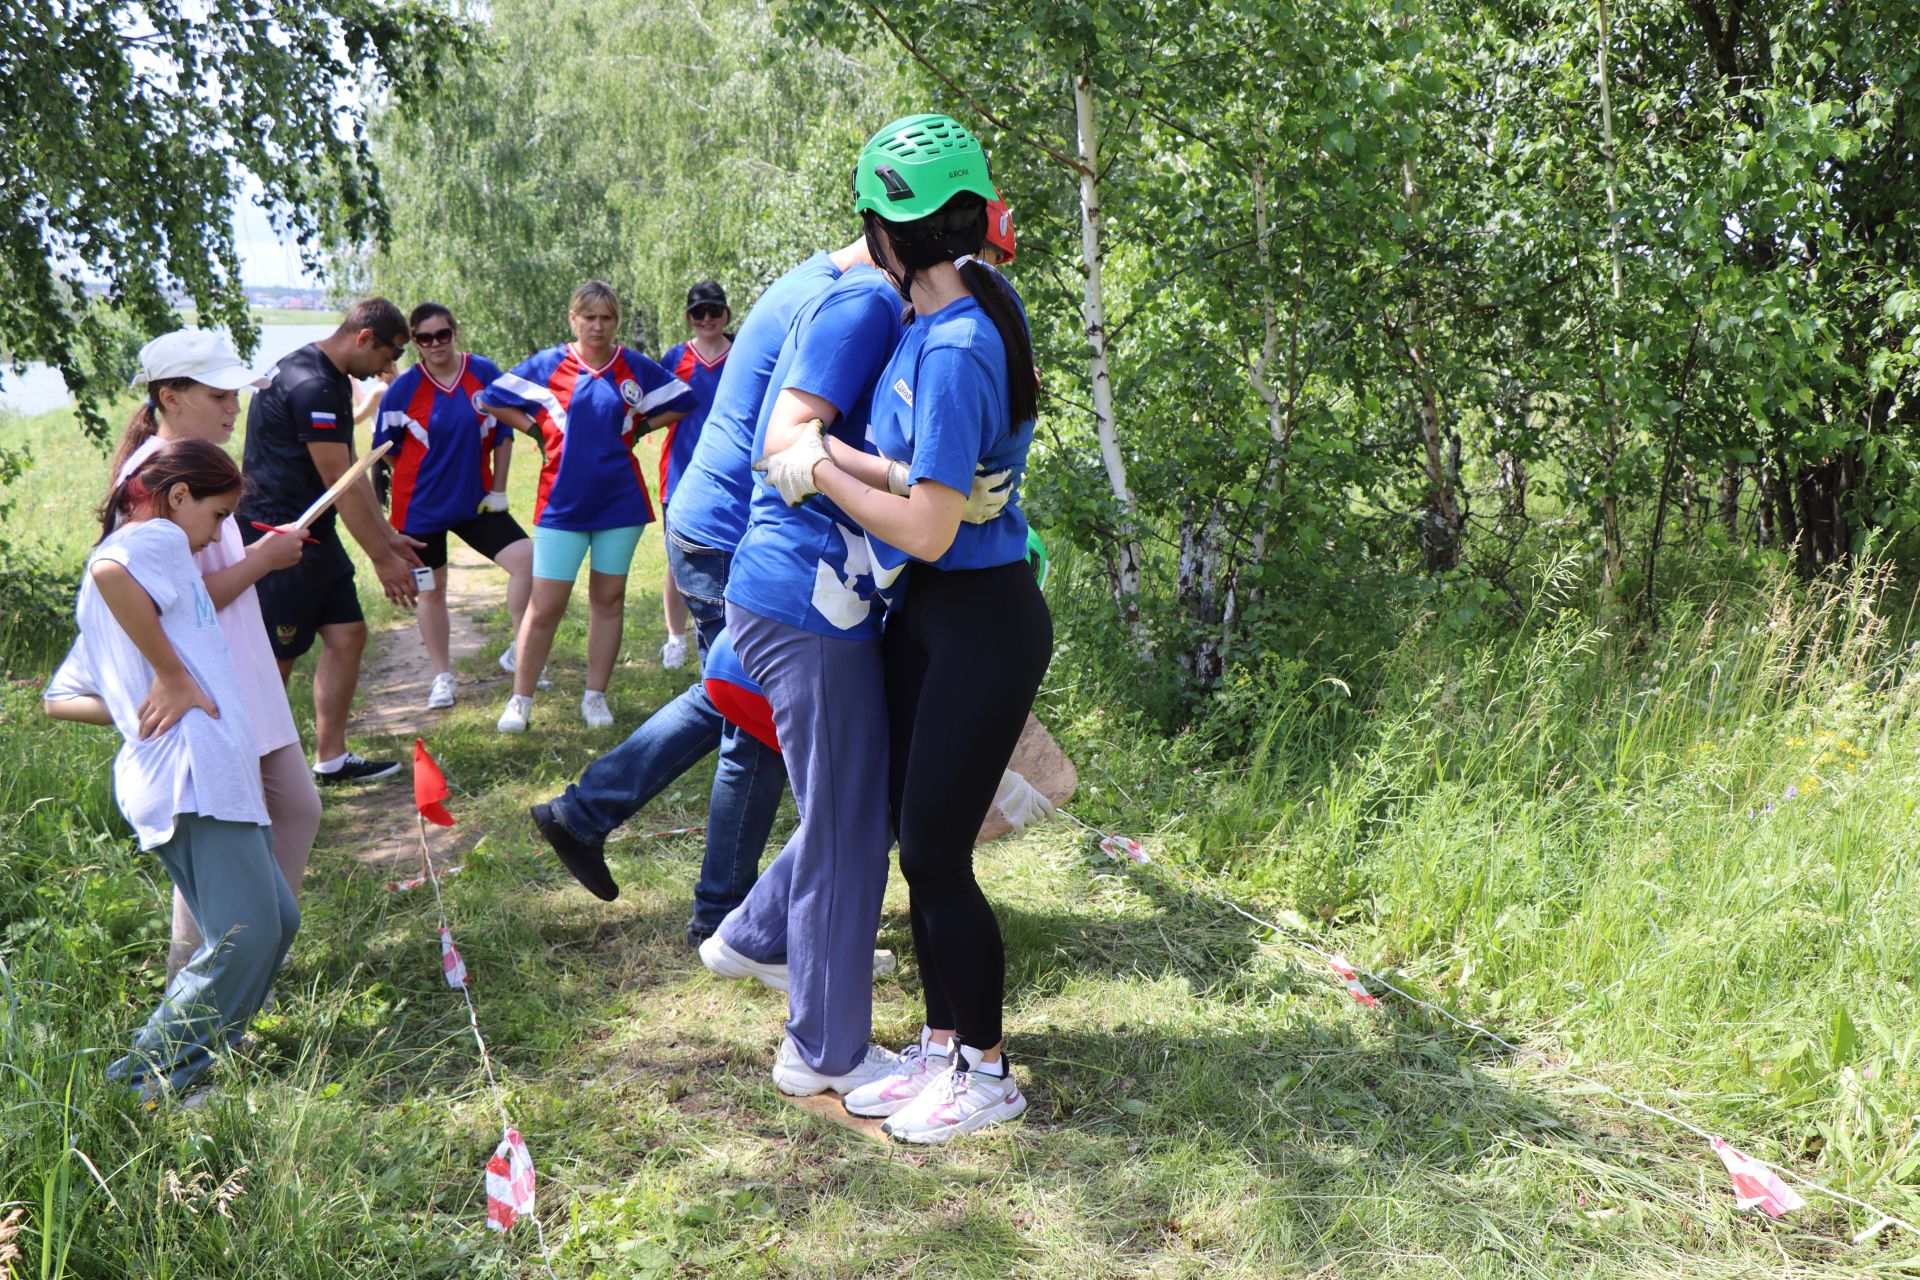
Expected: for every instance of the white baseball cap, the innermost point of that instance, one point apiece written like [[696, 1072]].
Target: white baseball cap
[[200, 354]]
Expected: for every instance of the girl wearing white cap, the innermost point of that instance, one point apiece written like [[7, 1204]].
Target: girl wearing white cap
[[193, 380]]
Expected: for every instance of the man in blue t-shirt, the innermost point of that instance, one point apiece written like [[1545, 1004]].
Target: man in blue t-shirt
[[700, 362]]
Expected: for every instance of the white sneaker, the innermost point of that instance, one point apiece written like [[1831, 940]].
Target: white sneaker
[[440, 694], [514, 718], [725, 962], [956, 1102], [507, 665], [594, 710], [793, 1077], [919, 1066], [673, 654]]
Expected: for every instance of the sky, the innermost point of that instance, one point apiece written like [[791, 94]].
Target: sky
[[264, 260]]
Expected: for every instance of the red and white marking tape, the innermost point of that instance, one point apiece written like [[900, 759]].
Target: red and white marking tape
[[1354, 987], [509, 1183], [450, 962], [508, 1178], [1757, 1184]]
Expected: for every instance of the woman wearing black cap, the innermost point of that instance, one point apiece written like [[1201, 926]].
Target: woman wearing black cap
[[698, 363]]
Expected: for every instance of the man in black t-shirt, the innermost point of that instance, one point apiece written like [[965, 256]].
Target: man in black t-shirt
[[299, 442]]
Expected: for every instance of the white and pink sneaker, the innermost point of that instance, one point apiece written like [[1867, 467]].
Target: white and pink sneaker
[[919, 1065], [959, 1100]]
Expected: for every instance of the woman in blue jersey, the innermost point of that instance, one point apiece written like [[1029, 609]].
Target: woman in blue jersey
[[967, 635], [587, 403]]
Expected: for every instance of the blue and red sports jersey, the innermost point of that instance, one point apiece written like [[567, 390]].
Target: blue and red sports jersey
[[588, 420], [443, 445], [686, 364]]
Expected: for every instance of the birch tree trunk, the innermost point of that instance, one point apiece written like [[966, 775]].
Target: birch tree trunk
[[1124, 558], [1614, 557]]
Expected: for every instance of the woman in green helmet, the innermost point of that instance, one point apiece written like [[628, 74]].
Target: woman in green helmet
[[967, 635]]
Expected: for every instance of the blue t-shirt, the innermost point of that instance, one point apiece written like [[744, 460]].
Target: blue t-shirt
[[710, 496], [809, 566], [588, 420], [687, 364], [942, 406], [443, 446]]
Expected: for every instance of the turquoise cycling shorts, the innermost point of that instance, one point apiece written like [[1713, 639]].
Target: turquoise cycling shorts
[[558, 553]]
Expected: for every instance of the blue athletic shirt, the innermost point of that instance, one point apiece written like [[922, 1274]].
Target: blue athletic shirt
[[588, 420], [942, 405], [442, 445], [703, 379], [710, 496], [809, 566]]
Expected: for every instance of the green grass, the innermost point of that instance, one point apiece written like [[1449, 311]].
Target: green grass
[[1551, 830]]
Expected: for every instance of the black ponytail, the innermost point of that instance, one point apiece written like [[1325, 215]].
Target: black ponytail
[[957, 230], [994, 293]]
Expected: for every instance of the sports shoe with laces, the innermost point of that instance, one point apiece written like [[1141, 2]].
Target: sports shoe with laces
[[514, 718], [673, 654], [957, 1101], [595, 711], [793, 1077], [356, 769], [586, 861], [507, 663], [919, 1065], [440, 693]]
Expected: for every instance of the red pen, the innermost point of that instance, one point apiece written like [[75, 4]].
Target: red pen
[[274, 528]]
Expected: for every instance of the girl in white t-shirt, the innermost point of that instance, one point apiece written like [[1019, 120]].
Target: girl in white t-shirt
[[161, 673], [193, 381]]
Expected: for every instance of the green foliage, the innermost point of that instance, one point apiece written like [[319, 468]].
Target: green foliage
[[127, 128], [649, 150]]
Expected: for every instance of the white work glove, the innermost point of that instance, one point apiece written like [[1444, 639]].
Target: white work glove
[[989, 497], [494, 501], [791, 470], [1020, 804]]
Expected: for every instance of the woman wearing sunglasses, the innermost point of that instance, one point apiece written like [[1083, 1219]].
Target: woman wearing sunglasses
[[450, 476], [698, 363]]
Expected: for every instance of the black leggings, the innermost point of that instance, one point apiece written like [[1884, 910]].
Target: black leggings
[[964, 660]]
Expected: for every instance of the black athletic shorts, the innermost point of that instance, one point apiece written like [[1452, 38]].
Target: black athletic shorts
[[489, 533], [318, 592]]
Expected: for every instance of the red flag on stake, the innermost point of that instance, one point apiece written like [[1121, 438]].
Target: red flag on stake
[[509, 1183], [429, 786], [1754, 1185]]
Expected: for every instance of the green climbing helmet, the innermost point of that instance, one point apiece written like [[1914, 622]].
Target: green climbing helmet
[[915, 165], [1036, 555]]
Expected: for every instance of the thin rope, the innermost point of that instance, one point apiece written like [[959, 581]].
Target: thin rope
[[1882, 1219], [473, 1021]]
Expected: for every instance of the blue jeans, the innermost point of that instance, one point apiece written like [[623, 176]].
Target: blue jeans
[[747, 782]]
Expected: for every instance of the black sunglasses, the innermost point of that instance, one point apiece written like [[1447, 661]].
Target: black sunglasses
[[705, 311], [396, 347], [434, 339]]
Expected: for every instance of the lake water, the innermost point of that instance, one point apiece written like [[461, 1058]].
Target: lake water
[[38, 388]]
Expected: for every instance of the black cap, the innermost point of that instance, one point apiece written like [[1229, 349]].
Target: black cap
[[707, 293]]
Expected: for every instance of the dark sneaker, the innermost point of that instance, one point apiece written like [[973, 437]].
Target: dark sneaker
[[697, 934], [587, 862], [357, 770]]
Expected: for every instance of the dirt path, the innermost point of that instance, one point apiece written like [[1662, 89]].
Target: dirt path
[[392, 702]]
